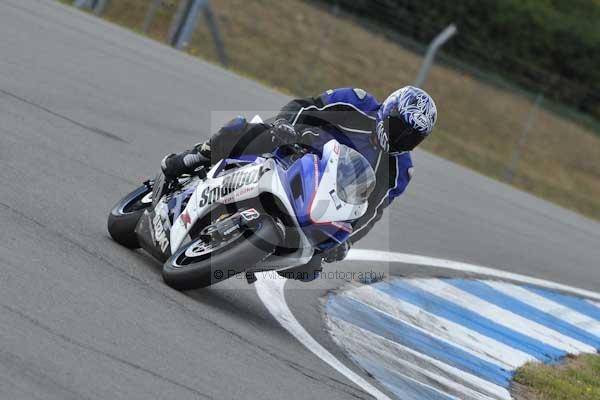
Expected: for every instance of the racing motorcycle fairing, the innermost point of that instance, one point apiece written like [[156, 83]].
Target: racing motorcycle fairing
[[153, 229], [313, 192], [305, 189], [221, 186]]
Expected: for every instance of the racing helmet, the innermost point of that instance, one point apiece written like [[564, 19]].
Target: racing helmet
[[404, 119]]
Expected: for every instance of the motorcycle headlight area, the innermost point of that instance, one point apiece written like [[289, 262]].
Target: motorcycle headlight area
[[355, 177]]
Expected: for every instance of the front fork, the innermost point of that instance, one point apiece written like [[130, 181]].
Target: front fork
[[223, 228]]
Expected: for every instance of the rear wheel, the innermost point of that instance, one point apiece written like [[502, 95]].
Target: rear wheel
[[125, 215], [206, 261]]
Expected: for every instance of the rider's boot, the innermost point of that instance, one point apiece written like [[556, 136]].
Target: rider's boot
[[174, 165]]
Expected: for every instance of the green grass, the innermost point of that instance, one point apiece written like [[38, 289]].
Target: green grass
[[302, 49], [577, 378]]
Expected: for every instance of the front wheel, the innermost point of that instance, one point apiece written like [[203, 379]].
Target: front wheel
[[205, 261], [125, 215]]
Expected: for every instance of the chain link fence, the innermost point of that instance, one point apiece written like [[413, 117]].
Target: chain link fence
[[485, 122]]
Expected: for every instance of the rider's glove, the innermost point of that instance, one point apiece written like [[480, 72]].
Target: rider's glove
[[337, 253], [283, 132]]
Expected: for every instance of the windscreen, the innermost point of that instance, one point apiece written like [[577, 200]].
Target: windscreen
[[355, 177]]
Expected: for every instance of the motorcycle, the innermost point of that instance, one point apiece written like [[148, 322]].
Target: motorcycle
[[253, 213]]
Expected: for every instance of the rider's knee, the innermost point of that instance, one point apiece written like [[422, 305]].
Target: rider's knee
[[233, 129], [238, 137], [224, 141]]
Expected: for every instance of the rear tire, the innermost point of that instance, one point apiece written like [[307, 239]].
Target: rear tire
[[254, 245], [124, 216]]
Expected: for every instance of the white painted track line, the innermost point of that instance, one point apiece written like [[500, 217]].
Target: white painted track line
[[387, 256], [271, 293]]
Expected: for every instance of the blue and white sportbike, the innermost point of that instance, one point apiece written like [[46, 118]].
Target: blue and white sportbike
[[269, 212]]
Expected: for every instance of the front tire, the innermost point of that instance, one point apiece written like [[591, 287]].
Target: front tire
[[125, 215], [189, 268]]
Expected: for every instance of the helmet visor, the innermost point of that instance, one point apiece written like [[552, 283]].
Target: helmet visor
[[402, 136]]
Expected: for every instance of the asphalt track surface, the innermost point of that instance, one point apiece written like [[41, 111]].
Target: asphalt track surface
[[87, 110]]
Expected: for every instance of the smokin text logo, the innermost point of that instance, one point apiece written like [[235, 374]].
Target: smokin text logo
[[231, 183]]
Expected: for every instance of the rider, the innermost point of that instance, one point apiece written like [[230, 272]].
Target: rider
[[384, 133]]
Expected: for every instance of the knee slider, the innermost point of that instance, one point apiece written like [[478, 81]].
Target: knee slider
[[238, 124]]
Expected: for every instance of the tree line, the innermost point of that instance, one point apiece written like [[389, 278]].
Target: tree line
[[548, 46]]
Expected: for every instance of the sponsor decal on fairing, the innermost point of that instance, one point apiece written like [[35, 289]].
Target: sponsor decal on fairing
[[231, 183], [159, 233]]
